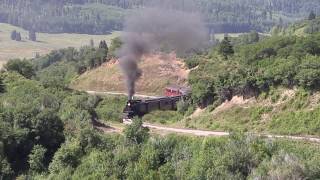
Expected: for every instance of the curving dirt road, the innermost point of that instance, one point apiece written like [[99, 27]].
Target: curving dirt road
[[220, 133]]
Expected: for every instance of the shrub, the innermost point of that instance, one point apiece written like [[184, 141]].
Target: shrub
[[23, 67], [163, 117], [111, 108], [136, 133], [37, 159]]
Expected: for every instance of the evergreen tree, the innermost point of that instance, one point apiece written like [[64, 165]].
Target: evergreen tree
[[226, 48], [18, 37], [91, 43], [32, 35], [2, 88], [13, 35], [254, 36], [312, 15], [104, 45]]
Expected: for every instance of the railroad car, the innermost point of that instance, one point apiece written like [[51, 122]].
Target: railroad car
[[141, 107], [174, 90]]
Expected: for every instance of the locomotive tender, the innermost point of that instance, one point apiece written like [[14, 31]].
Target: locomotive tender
[[141, 107]]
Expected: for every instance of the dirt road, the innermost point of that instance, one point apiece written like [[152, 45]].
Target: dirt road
[[204, 133], [186, 131]]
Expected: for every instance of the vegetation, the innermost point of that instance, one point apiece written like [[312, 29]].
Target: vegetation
[[23, 67], [302, 28], [44, 43], [103, 16], [32, 35], [46, 133], [312, 16], [59, 67], [111, 108], [18, 37], [167, 117], [275, 61], [225, 48], [13, 35]]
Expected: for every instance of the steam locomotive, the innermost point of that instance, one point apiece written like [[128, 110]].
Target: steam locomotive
[[141, 107]]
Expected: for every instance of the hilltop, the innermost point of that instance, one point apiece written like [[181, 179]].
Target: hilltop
[[159, 70]]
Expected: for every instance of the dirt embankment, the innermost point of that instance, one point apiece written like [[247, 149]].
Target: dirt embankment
[[159, 70]]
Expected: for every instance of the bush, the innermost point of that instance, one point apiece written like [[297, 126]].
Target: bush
[[136, 133], [37, 159], [182, 106], [281, 166], [192, 62], [23, 67], [67, 157], [163, 117], [111, 108]]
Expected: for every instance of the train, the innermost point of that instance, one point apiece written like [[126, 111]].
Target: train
[[140, 107]]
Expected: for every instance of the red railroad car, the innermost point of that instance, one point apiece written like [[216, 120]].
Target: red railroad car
[[174, 90]]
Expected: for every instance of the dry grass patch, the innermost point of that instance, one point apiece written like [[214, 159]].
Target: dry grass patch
[[158, 72]]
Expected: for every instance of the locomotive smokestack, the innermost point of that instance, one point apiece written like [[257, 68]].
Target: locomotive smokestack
[[152, 28]]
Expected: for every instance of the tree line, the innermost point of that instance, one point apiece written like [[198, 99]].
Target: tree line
[[103, 16]]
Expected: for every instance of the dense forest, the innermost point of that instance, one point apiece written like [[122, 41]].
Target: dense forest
[[103, 16]]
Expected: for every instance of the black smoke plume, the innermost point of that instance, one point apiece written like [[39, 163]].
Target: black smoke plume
[[152, 29]]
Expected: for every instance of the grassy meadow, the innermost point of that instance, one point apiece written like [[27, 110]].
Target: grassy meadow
[[10, 49]]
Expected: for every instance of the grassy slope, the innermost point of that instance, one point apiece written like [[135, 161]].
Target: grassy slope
[[158, 72], [46, 42], [283, 111]]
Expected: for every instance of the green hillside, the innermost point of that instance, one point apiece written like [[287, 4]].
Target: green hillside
[[302, 28], [270, 86], [47, 133]]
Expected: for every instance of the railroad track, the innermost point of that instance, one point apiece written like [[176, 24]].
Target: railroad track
[[120, 93]]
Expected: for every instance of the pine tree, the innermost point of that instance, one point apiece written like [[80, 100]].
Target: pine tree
[[18, 37], [254, 37], [103, 45], [32, 35], [312, 16], [226, 48], [91, 43], [13, 35]]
